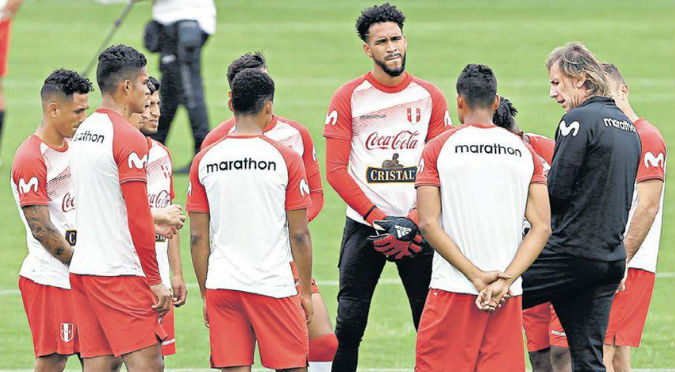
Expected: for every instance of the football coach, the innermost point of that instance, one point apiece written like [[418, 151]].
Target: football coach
[[590, 185]]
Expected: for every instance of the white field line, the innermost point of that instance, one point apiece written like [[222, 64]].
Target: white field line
[[328, 283]]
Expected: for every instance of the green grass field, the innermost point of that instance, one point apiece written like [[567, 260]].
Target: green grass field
[[312, 49]]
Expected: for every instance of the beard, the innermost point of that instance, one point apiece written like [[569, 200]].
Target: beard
[[148, 132], [390, 72]]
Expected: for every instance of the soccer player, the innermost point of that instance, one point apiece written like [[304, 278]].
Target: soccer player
[[475, 185], [248, 200], [41, 185], [322, 340], [546, 341], [584, 260], [160, 197], [170, 219], [117, 292], [376, 128], [9, 8], [642, 238]]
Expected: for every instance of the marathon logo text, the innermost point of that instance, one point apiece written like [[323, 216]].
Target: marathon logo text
[[619, 124], [495, 148], [88, 136], [242, 164]]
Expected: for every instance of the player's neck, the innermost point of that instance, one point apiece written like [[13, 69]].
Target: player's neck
[[109, 102], [49, 135], [248, 125], [478, 117], [386, 79]]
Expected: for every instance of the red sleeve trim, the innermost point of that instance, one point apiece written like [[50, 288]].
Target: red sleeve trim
[[197, 199], [29, 173], [218, 133], [338, 123], [297, 188], [440, 120], [538, 171], [337, 161], [141, 228]]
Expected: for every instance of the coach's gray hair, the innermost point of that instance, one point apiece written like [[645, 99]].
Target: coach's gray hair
[[575, 61]]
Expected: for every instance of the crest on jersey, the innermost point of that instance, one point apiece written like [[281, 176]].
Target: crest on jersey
[[656, 161], [25, 187], [166, 171], [566, 129], [66, 332], [137, 162], [414, 115], [332, 117]]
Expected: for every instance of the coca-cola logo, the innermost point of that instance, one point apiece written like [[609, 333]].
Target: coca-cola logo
[[403, 140], [159, 200], [68, 203]]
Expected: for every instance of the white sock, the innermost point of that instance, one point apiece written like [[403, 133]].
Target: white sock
[[320, 366]]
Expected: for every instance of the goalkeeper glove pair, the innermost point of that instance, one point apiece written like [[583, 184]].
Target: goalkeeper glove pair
[[401, 239]]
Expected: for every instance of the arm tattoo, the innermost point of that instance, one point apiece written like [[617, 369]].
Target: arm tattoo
[[37, 217]]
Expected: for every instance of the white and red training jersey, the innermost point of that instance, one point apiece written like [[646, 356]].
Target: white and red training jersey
[[41, 176], [160, 195], [246, 184], [387, 127], [288, 133], [484, 173], [106, 151], [652, 166]]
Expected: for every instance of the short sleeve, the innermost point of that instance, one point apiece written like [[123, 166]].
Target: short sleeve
[[538, 174], [130, 151], [297, 190], [310, 158], [29, 174], [196, 201], [653, 158], [427, 170], [440, 120], [338, 122]]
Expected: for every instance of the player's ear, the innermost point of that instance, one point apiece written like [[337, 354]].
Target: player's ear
[[126, 86], [460, 102], [53, 109], [229, 94], [579, 81], [625, 91], [229, 103], [495, 105], [366, 49], [268, 107]]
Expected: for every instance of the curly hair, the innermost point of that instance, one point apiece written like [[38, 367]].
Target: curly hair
[[478, 85], [251, 89], [576, 61], [118, 63], [378, 14], [66, 83], [248, 60], [505, 113], [153, 84]]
